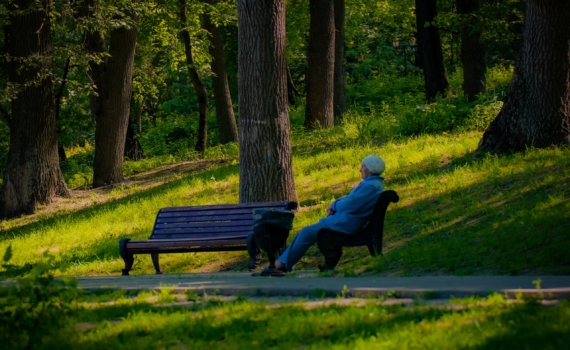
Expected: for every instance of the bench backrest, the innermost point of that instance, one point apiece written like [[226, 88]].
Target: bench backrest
[[210, 222], [375, 226]]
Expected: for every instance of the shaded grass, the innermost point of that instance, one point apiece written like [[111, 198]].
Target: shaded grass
[[460, 212], [490, 323]]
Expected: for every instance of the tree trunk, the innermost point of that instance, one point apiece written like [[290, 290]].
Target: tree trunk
[[111, 106], [320, 86], [60, 148], [291, 89], [133, 147], [32, 173], [266, 171], [339, 83], [472, 50], [429, 48], [536, 111], [223, 99], [196, 82]]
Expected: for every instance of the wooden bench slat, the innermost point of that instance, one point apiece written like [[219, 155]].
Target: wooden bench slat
[[237, 223], [165, 250], [207, 218], [206, 213], [227, 206], [211, 236], [193, 231], [182, 243]]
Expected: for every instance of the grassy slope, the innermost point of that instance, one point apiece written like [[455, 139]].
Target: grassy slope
[[459, 213]]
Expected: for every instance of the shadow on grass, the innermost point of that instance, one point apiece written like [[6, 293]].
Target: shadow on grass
[[487, 227], [235, 326], [222, 172], [531, 327]]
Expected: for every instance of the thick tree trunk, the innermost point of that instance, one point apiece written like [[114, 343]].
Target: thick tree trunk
[[196, 82], [320, 86], [472, 50], [536, 111], [32, 175], [339, 82], [429, 48], [266, 171], [113, 80], [223, 99]]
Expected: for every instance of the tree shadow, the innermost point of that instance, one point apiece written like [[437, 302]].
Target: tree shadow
[[529, 326], [104, 248], [85, 213], [498, 226], [524, 325]]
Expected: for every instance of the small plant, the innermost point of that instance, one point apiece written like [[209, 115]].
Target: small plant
[[344, 292], [165, 296]]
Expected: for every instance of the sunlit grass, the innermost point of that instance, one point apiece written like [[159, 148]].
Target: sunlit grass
[[459, 212]]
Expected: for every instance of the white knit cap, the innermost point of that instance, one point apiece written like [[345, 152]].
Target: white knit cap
[[374, 164]]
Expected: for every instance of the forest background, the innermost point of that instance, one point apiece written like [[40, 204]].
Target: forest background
[[429, 142], [382, 81]]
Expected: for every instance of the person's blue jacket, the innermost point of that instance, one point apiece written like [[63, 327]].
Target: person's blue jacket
[[353, 211]]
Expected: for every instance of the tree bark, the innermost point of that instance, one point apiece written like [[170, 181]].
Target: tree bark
[[321, 55], [111, 105], [339, 78], [222, 97], [429, 48], [266, 171], [196, 82], [32, 175], [133, 147], [472, 50], [536, 112]]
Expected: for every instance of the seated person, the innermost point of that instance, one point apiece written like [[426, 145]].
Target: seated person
[[348, 215]]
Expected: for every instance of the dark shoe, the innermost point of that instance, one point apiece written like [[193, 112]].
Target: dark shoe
[[325, 267], [273, 271]]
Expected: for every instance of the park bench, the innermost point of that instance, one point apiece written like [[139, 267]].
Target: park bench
[[330, 242], [197, 229]]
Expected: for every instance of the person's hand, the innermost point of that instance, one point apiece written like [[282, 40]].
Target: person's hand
[[330, 211]]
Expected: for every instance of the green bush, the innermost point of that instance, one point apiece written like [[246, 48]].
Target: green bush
[[173, 135], [34, 312]]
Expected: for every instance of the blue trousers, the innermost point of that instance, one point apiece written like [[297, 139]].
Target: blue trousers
[[301, 243]]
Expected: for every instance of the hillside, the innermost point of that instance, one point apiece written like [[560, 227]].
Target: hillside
[[460, 212]]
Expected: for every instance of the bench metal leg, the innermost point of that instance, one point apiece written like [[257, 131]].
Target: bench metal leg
[[127, 258], [155, 262]]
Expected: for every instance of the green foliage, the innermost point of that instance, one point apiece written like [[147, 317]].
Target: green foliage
[[34, 310]]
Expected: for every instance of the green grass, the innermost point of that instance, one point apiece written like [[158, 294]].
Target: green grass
[[459, 212], [489, 323]]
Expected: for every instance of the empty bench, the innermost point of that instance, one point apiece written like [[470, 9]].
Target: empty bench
[[330, 242], [209, 228]]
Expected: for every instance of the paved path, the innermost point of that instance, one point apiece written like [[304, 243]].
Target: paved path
[[307, 283]]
